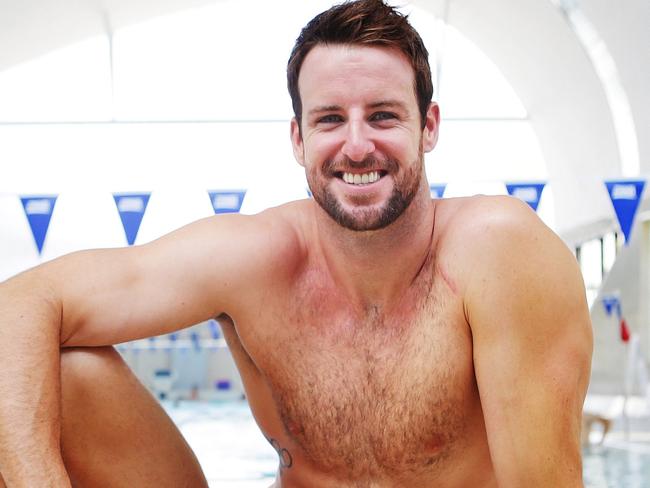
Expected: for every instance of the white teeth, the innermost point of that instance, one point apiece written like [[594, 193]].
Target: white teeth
[[364, 179]]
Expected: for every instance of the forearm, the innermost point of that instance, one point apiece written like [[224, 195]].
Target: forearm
[[539, 468], [30, 323], [534, 432]]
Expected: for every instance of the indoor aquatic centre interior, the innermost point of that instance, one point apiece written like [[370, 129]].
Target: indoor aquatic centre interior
[[122, 121]]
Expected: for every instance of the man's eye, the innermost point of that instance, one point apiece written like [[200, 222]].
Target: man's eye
[[379, 116], [330, 119]]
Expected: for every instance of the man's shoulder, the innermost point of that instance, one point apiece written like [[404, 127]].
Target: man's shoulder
[[288, 222], [269, 242], [281, 223], [481, 218], [485, 236], [282, 229]]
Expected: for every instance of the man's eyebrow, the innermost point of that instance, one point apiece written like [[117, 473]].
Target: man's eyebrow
[[324, 108], [374, 105], [388, 104]]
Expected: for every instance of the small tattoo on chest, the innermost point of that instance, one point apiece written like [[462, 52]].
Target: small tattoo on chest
[[286, 461]]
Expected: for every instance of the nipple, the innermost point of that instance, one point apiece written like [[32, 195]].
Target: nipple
[[294, 429], [434, 445]]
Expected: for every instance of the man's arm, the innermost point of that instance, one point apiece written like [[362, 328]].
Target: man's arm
[[532, 341], [29, 384], [105, 297]]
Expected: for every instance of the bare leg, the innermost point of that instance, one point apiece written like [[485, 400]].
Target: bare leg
[[113, 432]]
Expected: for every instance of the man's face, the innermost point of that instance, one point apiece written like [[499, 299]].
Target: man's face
[[362, 142]]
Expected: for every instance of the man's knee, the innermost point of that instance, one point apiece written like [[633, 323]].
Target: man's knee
[[107, 414], [88, 367]]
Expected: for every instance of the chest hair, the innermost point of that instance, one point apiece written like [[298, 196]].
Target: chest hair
[[377, 396]]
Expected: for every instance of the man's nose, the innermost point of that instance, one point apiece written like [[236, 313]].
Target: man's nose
[[358, 144]]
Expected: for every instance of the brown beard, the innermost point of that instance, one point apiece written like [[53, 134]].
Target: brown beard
[[370, 219]]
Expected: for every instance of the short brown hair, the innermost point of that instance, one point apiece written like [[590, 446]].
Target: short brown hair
[[364, 22]]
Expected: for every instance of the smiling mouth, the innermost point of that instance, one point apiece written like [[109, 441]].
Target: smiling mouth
[[361, 178]]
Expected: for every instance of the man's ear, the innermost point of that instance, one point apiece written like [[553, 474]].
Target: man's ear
[[296, 142], [430, 131]]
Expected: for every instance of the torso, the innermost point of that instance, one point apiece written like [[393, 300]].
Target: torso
[[380, 398]]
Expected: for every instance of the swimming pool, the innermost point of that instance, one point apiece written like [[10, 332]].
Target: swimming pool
[[234, 454], [617, 466], [227, 442]]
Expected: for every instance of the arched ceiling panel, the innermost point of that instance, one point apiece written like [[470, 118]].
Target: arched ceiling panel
[[541, 57], [625, 29], [30, 28]]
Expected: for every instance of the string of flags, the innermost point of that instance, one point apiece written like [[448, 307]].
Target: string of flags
[[625, 196], [196, 338], [130, 206], [612, 304], [182, 348]]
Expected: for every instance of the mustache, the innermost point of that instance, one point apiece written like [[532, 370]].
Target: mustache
[[332, 166]]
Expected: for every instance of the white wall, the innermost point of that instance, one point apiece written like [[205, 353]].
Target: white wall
[[85, 164]]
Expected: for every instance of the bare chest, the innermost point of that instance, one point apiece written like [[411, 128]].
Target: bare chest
[[374, 393]]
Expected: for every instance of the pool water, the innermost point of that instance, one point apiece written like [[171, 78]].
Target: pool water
[[227, 442], [234, 454], [624, 465]]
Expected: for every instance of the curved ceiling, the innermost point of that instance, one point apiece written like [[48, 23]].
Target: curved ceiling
[[529, 40], [30, 28]]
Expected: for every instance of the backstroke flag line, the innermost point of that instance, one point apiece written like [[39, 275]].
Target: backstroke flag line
[[612, 305], [227, 201], [131, 207], [38, 210], [625, 196], [528, 192]]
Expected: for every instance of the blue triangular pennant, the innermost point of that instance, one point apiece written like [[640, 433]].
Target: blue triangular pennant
[[38, 210], [437, 190], [227, 201], [609, 302], [625, 196], [131, 207], [528, 192]]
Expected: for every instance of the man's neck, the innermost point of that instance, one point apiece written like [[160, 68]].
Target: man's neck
[[377, 267]]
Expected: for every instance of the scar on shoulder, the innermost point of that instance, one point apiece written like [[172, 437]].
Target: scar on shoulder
[[447, 278]]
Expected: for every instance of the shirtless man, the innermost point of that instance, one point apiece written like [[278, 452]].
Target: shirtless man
[[384, 339]]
